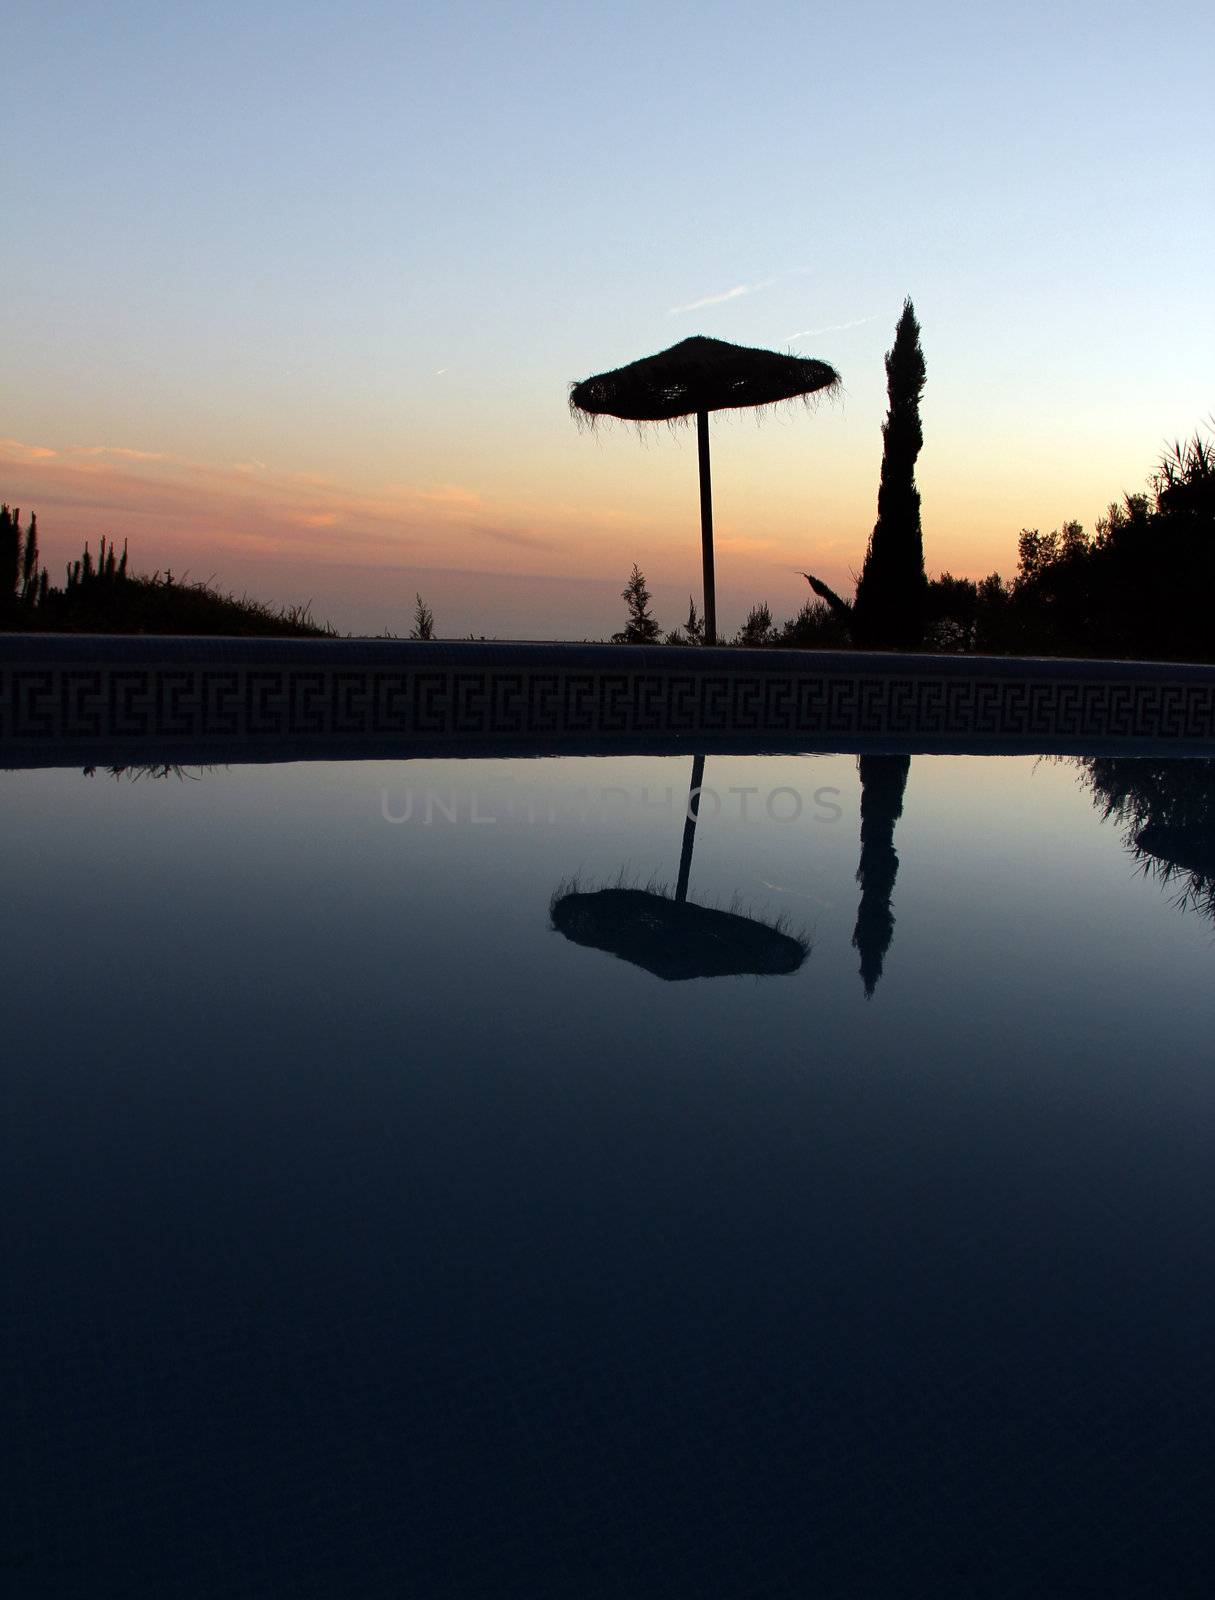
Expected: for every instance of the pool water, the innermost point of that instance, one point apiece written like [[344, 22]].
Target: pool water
[[378, 1220]]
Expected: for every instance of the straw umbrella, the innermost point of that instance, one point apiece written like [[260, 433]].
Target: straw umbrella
[[697, 376]]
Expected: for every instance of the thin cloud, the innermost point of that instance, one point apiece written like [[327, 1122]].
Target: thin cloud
[[526, 541], [835, 327], [124, 451], [450, 494], [182, 507], [736, 293], [753, 544], [16, 450]]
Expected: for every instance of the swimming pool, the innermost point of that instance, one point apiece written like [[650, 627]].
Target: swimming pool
[[389, 1210]]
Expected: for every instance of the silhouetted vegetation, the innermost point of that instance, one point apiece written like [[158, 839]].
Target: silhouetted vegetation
[[887, 612], [1138, 586], [423, 620], [102, 595], [883, 783], [758, 629], [23, 582], [641, 627], [815, 627], [1166, 810], [1141, 584], [693, 630]]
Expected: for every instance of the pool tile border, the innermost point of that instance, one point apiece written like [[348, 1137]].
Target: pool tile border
[[345, 696]]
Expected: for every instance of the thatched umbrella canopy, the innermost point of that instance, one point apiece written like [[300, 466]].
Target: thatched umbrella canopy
[[674, 938], [697, 376]]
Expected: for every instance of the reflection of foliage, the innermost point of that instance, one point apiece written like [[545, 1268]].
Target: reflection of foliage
[[1166, 810], [883, 782], [156, 769]]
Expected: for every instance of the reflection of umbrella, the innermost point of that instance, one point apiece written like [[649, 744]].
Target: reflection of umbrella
[[675, 938], [701, 375], [883, 780]]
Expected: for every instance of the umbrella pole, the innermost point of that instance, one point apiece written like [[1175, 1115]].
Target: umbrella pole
[[706, 525], [689, 828]]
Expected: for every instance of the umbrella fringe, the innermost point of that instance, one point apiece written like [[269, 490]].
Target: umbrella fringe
[[645, 427]]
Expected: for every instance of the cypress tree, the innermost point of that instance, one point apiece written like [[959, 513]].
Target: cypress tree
[[888, 612]]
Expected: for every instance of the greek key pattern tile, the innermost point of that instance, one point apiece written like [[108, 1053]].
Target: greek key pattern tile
[[226, 701]]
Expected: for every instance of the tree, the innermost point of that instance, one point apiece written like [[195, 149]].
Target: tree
[[10, 553], [757, 630], [693, 630], [817, 626], [29, 563], [641, 627], [423, 620], [888, 612], [1141, 584]]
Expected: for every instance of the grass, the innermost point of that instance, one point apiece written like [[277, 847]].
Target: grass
[[159, 604]]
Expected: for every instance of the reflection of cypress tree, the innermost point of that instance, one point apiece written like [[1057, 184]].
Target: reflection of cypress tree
[[883, 781]]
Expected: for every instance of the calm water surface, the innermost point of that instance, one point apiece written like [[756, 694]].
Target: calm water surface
[[365, 1233]]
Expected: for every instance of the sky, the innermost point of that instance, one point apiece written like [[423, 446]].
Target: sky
[[292, 295]]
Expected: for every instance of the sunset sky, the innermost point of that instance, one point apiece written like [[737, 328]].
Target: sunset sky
[[292, 295]]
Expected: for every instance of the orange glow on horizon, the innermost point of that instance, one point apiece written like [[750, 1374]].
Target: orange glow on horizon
[[778, 510]]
